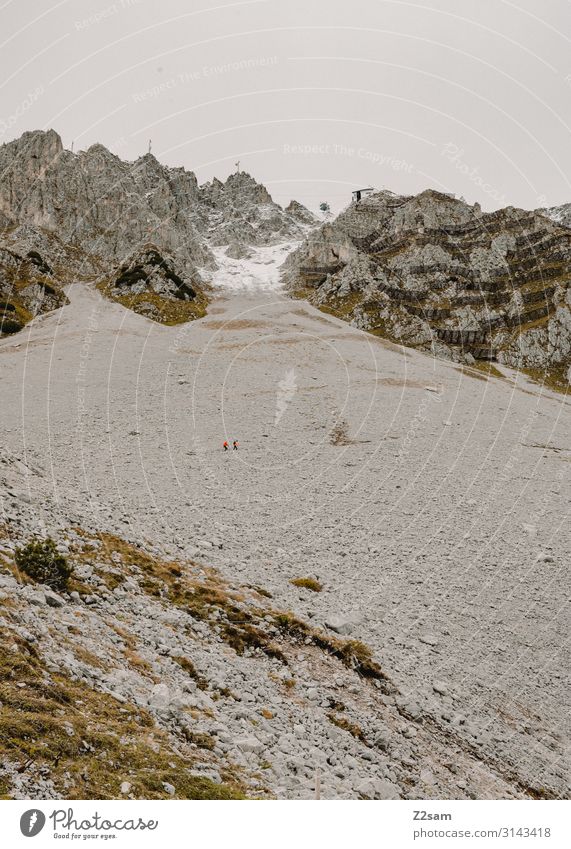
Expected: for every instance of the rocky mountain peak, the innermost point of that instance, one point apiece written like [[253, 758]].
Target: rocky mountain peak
[[107, 209], [559, 214], [300, 213], [99, 150], [44, 145], [243, 184]]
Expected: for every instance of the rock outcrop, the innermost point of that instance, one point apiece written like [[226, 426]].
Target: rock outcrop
[[98, 203], [433, 272], [28, 288], [242, 210], [559, 214], [301, 214], [148, 283]]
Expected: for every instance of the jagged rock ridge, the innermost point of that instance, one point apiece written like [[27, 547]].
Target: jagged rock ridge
[[87, 210], [435, 273], [559, 214]]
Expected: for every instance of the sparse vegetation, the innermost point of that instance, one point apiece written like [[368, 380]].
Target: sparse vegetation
[[307, 584], [340, 434], [486, 367], [85, 741], [163, 310], [41, 561], [346, 725], [554, 377], [208, 599], [352, 653], [190, 669]]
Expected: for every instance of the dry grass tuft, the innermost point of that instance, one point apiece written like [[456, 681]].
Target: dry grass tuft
[[84, 739], [340, 434], [307, 584]]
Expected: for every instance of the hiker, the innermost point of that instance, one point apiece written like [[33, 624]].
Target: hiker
[[225, 446], [235, 445]]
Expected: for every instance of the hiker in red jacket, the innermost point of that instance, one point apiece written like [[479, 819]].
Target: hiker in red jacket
[[225, 446]]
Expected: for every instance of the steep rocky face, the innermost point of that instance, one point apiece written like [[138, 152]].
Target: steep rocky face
[[107, 207], [300, 213], [27, 288], [69, 263], [99, 203], [435, 273], [147, 270], [88, 210]]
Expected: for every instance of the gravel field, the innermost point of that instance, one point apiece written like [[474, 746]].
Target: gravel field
[[431, 502]]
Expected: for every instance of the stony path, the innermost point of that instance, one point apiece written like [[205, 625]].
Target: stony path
[[440, 530]]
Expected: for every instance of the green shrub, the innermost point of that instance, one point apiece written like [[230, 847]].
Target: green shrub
[[42, 561]]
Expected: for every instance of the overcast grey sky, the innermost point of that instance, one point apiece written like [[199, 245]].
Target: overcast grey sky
[[314, 97]]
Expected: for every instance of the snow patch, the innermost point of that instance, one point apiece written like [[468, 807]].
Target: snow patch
[[257, 273]]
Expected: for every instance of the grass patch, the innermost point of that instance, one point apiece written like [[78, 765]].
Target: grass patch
[[481, 370], [342, 307], [554, 377], [261, 591], [191, 671], [85, 741], [307, 584], [162, 310], [340, 434], [487, 368], [352, 653], [346, 725]]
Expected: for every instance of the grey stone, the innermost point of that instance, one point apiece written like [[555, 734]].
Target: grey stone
[[53, 600], [386, 790], [160, 696], [545, 558], [343, 625], [250, 744]]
